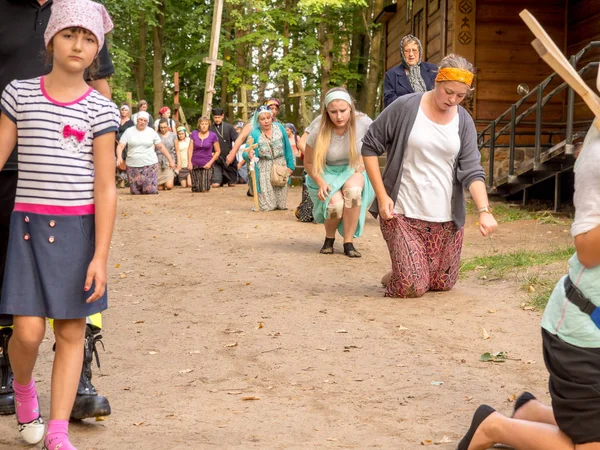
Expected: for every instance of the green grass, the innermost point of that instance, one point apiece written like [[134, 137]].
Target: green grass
[[498, 266], [505, 212], [539, 290]]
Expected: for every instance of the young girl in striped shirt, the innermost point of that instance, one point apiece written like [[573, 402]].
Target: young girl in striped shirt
[[64, 212]]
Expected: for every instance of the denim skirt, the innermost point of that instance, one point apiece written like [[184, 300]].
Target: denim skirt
[[46, 266]]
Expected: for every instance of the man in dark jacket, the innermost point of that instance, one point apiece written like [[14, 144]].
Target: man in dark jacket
[[223, 173], [411, 75]]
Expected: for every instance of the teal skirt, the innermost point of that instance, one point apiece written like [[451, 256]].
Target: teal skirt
[[335, 177]]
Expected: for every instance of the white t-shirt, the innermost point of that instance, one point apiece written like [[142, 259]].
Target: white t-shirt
[[140, 146], [587, 185], [338, 153], [428, 170]]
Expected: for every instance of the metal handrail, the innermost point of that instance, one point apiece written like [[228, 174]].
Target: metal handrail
[[513, 120]]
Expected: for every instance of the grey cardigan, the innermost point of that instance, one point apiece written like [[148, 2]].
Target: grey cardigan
[[389, 133]]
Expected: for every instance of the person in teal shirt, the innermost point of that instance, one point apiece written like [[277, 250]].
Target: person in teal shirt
[[571, 342]]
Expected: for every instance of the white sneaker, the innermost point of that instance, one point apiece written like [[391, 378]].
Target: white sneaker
[[32, 432]]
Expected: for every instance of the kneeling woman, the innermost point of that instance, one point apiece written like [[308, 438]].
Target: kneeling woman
[[274, 149], [432, 157], [337, 184]]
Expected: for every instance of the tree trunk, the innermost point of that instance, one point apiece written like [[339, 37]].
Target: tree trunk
[[376, 65], [157, 71], [286, 52], [326, 39], [139, 72]]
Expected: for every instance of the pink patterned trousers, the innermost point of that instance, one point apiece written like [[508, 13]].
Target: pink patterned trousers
[[425, 255]]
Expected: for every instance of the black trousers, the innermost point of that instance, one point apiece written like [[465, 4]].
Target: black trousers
[[8, 192]]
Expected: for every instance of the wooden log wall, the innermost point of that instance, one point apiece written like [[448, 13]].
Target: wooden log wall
[[584, 27], [504, 57]]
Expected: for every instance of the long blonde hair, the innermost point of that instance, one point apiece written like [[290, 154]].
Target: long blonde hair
[[324, 137]]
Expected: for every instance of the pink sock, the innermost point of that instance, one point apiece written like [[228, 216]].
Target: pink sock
[[26, 402], [58, 435]]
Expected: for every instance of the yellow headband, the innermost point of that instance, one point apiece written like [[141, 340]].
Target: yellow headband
[[454, 74]]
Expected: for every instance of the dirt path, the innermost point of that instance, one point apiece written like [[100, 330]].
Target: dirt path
[[211, 304]]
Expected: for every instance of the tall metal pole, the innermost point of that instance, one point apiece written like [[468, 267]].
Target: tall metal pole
[[212, 60]]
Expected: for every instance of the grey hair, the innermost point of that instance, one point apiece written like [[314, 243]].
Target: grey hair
[[456, 62]]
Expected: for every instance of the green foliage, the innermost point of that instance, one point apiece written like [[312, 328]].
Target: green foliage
[[264, 44]]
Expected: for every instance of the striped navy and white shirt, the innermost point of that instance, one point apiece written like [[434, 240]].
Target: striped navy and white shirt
[[56, 161]]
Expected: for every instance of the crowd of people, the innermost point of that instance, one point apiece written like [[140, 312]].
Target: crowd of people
[[431, 160]]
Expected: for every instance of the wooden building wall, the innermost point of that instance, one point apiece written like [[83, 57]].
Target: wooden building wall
[[504, 57], [584, 27]]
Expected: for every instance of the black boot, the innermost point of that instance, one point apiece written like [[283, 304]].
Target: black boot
[[88, 403], [7, 395]]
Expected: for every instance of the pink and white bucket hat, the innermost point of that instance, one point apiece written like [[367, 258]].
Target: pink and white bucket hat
[[79, 13]]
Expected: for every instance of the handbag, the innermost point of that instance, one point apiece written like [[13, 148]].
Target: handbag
[[279, 173]]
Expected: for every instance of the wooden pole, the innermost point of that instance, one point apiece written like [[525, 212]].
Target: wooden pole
[[212, 60], [252, 169], [176, 99], [244, 103], [303, 109]]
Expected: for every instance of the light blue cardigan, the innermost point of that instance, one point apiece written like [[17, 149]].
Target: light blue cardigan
[[287, 152]]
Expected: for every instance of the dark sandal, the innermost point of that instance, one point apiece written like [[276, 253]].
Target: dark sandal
[[523, 398], [327, 248], [350, 251], [482, 413]]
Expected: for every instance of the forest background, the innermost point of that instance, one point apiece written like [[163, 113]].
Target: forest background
[[273, 48]]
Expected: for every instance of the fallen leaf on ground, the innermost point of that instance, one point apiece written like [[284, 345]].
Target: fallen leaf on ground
[[484, 334], [248, 283], [260, 325], [117, 266], [138, 321], [137, 424], [341, 331], [402, 328], [100, 419], [123, 275], [186, 371], [234, 392], [512, 398], [235, 344], [152, 353], [250, 398], [492, 311], [444, 440], [437, 383], [494, 357], [194, 352], [427, 442]]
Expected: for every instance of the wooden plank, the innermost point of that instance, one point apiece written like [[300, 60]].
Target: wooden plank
[[491, 110], [465, 14], [517, 72], [507, 12], [504, 34]]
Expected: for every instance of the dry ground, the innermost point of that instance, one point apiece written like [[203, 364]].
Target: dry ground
[[228, 330]]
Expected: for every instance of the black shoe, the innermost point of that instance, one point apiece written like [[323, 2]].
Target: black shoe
[[88, 403], [327, 248], [350, 251], [7, 395]]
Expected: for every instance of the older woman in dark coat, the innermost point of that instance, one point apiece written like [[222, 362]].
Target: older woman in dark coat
[[411, 75]]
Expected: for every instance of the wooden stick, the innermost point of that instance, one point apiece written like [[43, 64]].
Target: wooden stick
[[552, 55], [252, 170]]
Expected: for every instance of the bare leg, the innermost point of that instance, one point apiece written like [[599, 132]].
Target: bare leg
[[23, 346], [351, 214], [169, 184], [536, 411], [523, 435], [332, 224], [67, 366]]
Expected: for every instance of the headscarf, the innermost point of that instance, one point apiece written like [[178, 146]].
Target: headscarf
[[294, 132], [414, 72], [79, 13], [143, 115], [272, 101], [124, 107], [182, 128], [455, 74], [163, 110], [260, 110]]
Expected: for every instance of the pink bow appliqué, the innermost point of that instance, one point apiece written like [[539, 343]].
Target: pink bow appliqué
[[70, 131]]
